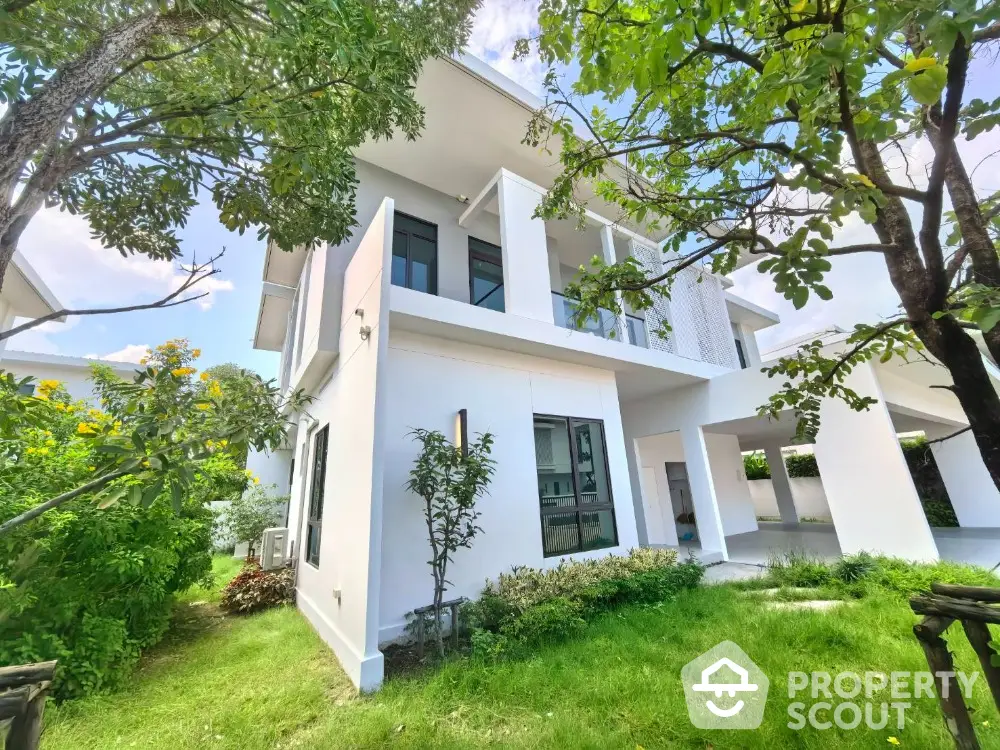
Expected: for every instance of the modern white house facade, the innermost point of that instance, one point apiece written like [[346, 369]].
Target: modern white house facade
[[447, 299]]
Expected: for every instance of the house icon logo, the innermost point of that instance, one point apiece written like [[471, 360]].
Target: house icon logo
[[725, 689]]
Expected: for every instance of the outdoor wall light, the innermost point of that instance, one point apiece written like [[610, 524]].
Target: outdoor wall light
[[462, 430], [366, 333], [462, 198]]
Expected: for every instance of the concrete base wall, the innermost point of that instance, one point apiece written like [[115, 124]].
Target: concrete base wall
[[429, 381], [807, 492]]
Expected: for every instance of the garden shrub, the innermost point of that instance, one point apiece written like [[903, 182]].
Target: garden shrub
[[755, 466], [87, 585], [529, 606], [864, 574], [801, 465], [254, 589]]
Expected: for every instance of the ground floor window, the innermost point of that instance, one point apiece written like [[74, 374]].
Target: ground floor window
[[314, 524], [574, 491]]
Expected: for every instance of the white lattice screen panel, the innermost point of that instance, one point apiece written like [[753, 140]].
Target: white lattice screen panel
[[659, 313], [702, 324]]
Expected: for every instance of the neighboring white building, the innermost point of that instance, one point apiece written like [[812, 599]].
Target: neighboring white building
[[24, 295], [72, 372], [447, 297]]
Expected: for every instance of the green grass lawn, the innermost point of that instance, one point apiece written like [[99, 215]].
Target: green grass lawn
[[268, 681]]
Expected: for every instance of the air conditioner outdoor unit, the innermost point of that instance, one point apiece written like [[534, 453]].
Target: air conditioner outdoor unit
[[274, 548]]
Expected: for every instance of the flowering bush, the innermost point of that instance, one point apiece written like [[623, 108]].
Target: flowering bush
[[104, 511], [254, 589]]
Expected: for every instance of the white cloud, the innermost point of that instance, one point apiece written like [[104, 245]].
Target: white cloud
[[130, 353], [498, 25], [83, 273]]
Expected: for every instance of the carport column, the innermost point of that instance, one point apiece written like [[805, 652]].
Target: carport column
[[782, 487], [706, 505], [526, 289], [872, 499], [972, 492], [608, 251]]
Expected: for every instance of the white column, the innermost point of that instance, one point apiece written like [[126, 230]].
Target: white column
[[872, 499], [782, 487], [706, 505], [525, 251], [6, 322], [971, 490], [608, 252]]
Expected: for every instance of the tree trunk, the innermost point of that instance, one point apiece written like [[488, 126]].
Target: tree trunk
[[31, 128], [957, 351]]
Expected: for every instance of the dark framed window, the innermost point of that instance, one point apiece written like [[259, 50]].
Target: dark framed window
[[314, 524], [485, 275], [27, 389], [741, 354], [574, 489], [414, 254]]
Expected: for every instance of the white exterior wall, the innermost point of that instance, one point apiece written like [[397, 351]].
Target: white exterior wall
[[731, 486], [429, 381], [340, 596], [526, 287], [971, 490], [873, 502], [807, 493], [272, 469]]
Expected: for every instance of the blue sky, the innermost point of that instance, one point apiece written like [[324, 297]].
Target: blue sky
[[83, 274]]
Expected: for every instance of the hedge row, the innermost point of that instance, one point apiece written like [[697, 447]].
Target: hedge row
[[919, 458]]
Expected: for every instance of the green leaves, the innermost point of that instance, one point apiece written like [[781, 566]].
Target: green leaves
[[262, 108], [927, 84]]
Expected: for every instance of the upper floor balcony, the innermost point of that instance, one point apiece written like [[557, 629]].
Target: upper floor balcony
[[494, 255]]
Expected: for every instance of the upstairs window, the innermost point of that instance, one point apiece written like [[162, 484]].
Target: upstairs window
[[574, 491], [314, 524], [485, 275], [414, 254]]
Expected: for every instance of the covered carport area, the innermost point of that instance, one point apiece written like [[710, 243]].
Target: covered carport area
[[691, 480]]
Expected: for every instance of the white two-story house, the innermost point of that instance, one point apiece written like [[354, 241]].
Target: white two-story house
[[448, 299]]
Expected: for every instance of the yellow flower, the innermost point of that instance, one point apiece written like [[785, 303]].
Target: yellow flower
[[256, 480], [91, 468], [920, 63], [893, 741], [196, 353], [204, 376], [48, 385], [60, 407], [30, 450], [214, 389], [223, 443], [202, 406], [144, 361], [50, 442], [181, 371], [86, 428], [43, 451]]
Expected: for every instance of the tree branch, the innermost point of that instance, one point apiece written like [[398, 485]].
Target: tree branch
[[196, 274], [949, 437]]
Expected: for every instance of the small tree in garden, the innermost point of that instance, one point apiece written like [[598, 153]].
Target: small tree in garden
[[450, 482], [250, 514]]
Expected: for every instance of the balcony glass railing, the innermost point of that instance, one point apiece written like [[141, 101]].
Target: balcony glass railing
[[564, 311], [637, 331]]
